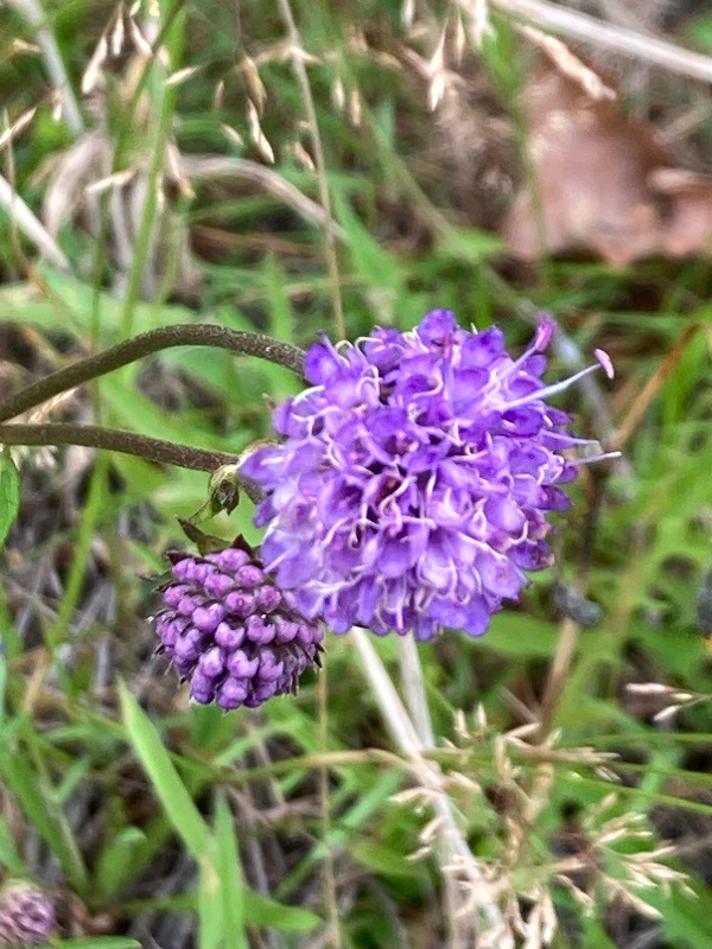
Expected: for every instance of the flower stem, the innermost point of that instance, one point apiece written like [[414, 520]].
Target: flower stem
[[183, 334], [414, 689], [413, 684], [128, 443], [454, 849]]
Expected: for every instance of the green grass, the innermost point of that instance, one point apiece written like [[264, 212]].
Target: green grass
[[147, 816]]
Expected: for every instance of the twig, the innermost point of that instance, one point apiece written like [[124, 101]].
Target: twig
[[301, 72], [35, 15], [182, 334], [128, 443], [31, 226], [620, 39]]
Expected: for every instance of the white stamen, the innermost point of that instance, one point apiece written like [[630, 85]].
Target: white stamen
[[589, 459], [571, 440], [554, 389]]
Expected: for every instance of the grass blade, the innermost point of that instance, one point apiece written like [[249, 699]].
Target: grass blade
[[177, 803], [9, 494], [232, 888]]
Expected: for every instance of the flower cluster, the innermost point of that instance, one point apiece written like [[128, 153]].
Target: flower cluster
[[413, 483], [231, 632], [26, 915]]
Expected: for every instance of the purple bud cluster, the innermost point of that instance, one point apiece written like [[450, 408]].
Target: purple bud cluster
[[26, 916], [413, 484], [231, 632]]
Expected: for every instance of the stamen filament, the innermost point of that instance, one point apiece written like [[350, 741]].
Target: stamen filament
[[552, 389]]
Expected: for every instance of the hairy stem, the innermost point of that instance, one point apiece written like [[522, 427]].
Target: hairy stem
[[183, 334], [128, 443]]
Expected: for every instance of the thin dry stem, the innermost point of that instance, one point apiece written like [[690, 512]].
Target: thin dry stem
[[31, 226], [416, 697], [219, 166], [455, 850], [317, 148], [569, 64], [649, 391], [33, 12], [414, 688], [333, 935], [588, 29], [561, 663]]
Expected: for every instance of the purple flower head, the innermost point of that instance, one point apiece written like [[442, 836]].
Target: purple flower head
[[413, 483], [26, 915], [227, 629]]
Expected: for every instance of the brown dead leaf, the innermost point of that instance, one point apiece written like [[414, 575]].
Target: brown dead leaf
[[604, 184], [687, 229]]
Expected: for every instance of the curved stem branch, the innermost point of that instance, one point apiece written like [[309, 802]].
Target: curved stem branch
[[93, 436], [183, 334]]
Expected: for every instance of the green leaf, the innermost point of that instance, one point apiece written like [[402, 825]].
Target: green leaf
[[381, 859], [115, 861], [210, 909], [206, 543], [470, 244], [232, 888], [575, 780], [177, 803], [515, 635], [9, 494], [685, 917], [10, 859], [30, 791], [371, 261], [263, 911]]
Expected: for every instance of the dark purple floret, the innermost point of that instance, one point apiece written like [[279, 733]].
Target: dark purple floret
[[26, 915], [413, 484], [234, 635]]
